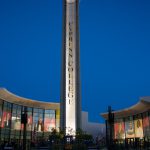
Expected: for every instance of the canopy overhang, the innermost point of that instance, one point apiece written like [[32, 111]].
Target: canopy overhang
[[12, 98], [142, 106]]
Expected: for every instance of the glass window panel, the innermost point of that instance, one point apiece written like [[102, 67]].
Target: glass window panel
[[40, 125], [52, 111], [47, 115], [19, 111], [129, 128], [29, 113], [19, 107], [47, 111], [14, 109], [146, 124], [119, 129], [16, 118], [17, 125], [9, 104], [35, 114], [6, 119], [29, 121], [29, 109], [41, 116], [13, 120], [5, 104], [38, 122], [13, 132], [138, 127], [35, 110], [41, 111], [17, 132], [49, 121]]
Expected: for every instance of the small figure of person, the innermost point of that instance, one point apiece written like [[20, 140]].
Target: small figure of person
[[40, 126]]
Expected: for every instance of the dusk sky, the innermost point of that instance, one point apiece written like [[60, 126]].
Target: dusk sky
[[114, 47]]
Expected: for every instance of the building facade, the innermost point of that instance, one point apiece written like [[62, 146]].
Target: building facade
[[41, 117], [130, 127], [97, 130]]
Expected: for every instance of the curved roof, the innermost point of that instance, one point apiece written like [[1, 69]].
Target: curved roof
[[142, 106], [12, 98]]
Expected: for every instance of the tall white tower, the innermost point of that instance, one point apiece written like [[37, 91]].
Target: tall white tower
[[70, 90]]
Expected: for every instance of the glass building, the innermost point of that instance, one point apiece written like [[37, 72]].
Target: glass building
[[42, 117], [130, 127]]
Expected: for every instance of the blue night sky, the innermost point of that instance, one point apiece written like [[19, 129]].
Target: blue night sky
[[114, 45]]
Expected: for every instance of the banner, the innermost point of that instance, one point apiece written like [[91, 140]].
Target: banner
[[129, 129], [146, 126], [119, 130], [138, 128], [6, 119]]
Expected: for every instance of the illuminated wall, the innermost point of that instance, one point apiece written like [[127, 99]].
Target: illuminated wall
[[138, 128]]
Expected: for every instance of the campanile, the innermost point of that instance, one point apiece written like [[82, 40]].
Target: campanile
[[70, 119]]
